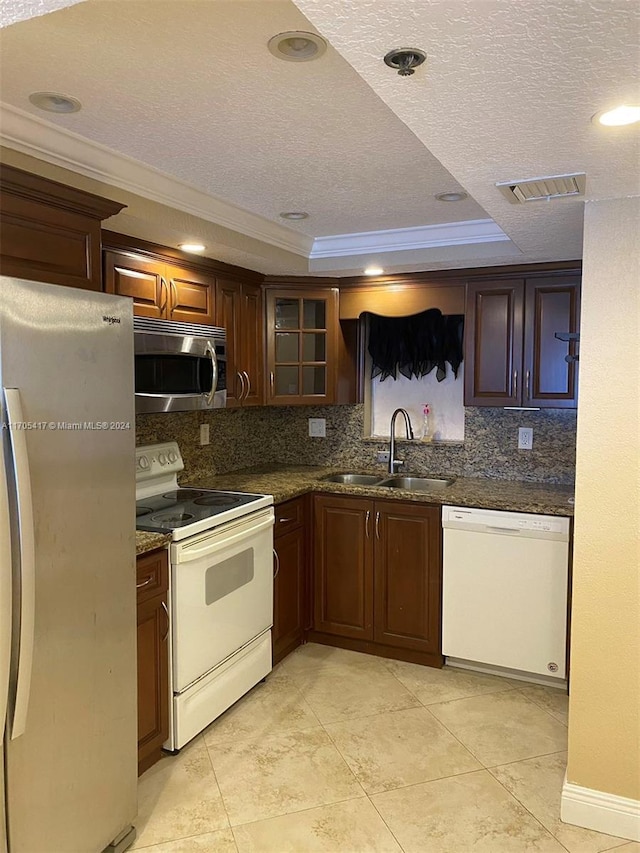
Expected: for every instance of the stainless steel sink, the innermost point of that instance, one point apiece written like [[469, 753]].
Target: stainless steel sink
[[354, 479], [417, 484]]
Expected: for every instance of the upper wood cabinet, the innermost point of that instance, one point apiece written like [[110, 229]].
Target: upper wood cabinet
[[159, 288], [51, 232], [302, 352], [239, 311], [512, 357]]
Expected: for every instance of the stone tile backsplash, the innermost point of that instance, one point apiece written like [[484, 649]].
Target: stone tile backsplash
[[246, 438]]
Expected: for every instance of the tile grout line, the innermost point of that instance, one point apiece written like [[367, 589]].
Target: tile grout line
[[529, 812], [542, 708]]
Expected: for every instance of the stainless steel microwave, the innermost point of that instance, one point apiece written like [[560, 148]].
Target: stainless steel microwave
[[179, 367]]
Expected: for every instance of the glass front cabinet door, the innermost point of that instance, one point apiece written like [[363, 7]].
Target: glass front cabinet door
[[301, 346]]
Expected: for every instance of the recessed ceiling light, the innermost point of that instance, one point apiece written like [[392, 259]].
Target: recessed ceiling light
[[191, 247], [618, 117], [297, 46], [373, 271], [456, 196], [294, 214], [53, 102]]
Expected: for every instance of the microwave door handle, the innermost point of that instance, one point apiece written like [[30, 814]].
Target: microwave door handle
[[214, 372], [27, 560], [5, 588]]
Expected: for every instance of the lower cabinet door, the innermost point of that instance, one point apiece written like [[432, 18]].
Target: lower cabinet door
[[153, 679], [343, 555], [288, 593], [407, 576]]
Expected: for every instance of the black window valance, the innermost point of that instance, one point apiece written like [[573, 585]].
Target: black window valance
[[415, 345]]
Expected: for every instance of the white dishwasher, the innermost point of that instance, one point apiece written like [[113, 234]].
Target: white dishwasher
[[505, 590]]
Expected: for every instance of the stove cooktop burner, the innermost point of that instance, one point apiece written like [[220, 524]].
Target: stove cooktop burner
[[180, 509], [171, 517], [219, 500], [183, 494]]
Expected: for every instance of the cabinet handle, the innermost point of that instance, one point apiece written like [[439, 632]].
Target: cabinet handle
[[285, 520], [241, 378], [165, 289], [527, 381], [271, 382], [145, 582], [366, 524], [248, 391], [166, 613], [515, 383], [174, 297], [377, 525], [277, 559]]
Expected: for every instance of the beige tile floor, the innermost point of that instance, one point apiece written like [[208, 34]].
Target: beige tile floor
[[346, 753]]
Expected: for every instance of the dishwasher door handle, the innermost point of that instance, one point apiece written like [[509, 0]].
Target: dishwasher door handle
[[510, 530]]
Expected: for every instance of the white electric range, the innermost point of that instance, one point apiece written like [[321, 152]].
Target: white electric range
[[220, 588]]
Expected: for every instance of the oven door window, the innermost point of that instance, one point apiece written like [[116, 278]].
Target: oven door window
[[172, 374], [228, 576]]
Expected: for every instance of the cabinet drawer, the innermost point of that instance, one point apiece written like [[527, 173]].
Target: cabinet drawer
[[289, 515], [152, 574]]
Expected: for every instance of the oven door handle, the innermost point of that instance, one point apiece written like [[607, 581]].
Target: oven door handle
[[218, 541], [211, 352]]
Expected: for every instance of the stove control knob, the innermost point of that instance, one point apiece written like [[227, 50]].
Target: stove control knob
[[162, 459], [173, 456], [143, 463]]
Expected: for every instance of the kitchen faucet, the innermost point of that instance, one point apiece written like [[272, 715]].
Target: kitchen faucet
[[393, 462]]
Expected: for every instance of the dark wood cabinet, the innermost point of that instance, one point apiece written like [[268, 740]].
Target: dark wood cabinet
[[302, 346], [512, 357], [153, 656], [290, 577], [343, 578], [159, 289], [377, 569], [239, 311], [51, 232], [407, 561]]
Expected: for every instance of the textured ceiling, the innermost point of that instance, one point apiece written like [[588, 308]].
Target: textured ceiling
[[507, 92], [200, 97], [12, 11]]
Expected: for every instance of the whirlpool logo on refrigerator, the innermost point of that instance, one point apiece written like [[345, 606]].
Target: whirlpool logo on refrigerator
[[110, 320]]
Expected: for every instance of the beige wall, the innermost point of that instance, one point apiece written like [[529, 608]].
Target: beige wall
[[604, 716]]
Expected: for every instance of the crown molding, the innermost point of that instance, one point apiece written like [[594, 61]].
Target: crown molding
[[32, 135], [405, 239]]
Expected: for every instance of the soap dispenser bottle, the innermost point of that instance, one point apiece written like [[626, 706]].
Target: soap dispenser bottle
[[427, 431]]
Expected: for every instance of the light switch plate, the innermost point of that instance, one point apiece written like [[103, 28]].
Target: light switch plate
[[525, 438], [204, 434], [318, 427]]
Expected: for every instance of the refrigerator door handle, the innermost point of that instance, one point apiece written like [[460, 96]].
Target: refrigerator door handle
[[20, 456], [5, 591]]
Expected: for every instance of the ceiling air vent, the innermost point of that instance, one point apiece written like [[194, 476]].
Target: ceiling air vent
[[543, 189]]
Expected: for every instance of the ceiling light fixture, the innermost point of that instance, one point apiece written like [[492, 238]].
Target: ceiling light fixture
[[405, 59], [294, 215], [297, 46], [53, 102], [191, 247], [373, 271], [620, 116], [454, 196]]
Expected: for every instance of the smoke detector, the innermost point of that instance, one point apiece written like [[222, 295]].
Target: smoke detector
[[543, 189], [405, 59]]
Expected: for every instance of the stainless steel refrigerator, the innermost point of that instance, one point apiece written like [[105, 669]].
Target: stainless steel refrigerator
[[67, 570]]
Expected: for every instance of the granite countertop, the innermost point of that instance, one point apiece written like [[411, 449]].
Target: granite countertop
[[146, 541], [287, 481]]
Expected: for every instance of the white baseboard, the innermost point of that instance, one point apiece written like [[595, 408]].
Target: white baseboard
[[598, 810]]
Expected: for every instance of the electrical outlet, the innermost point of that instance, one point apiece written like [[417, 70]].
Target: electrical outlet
[[204, 434], [318, 427], [525, 438], [382, 456]]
